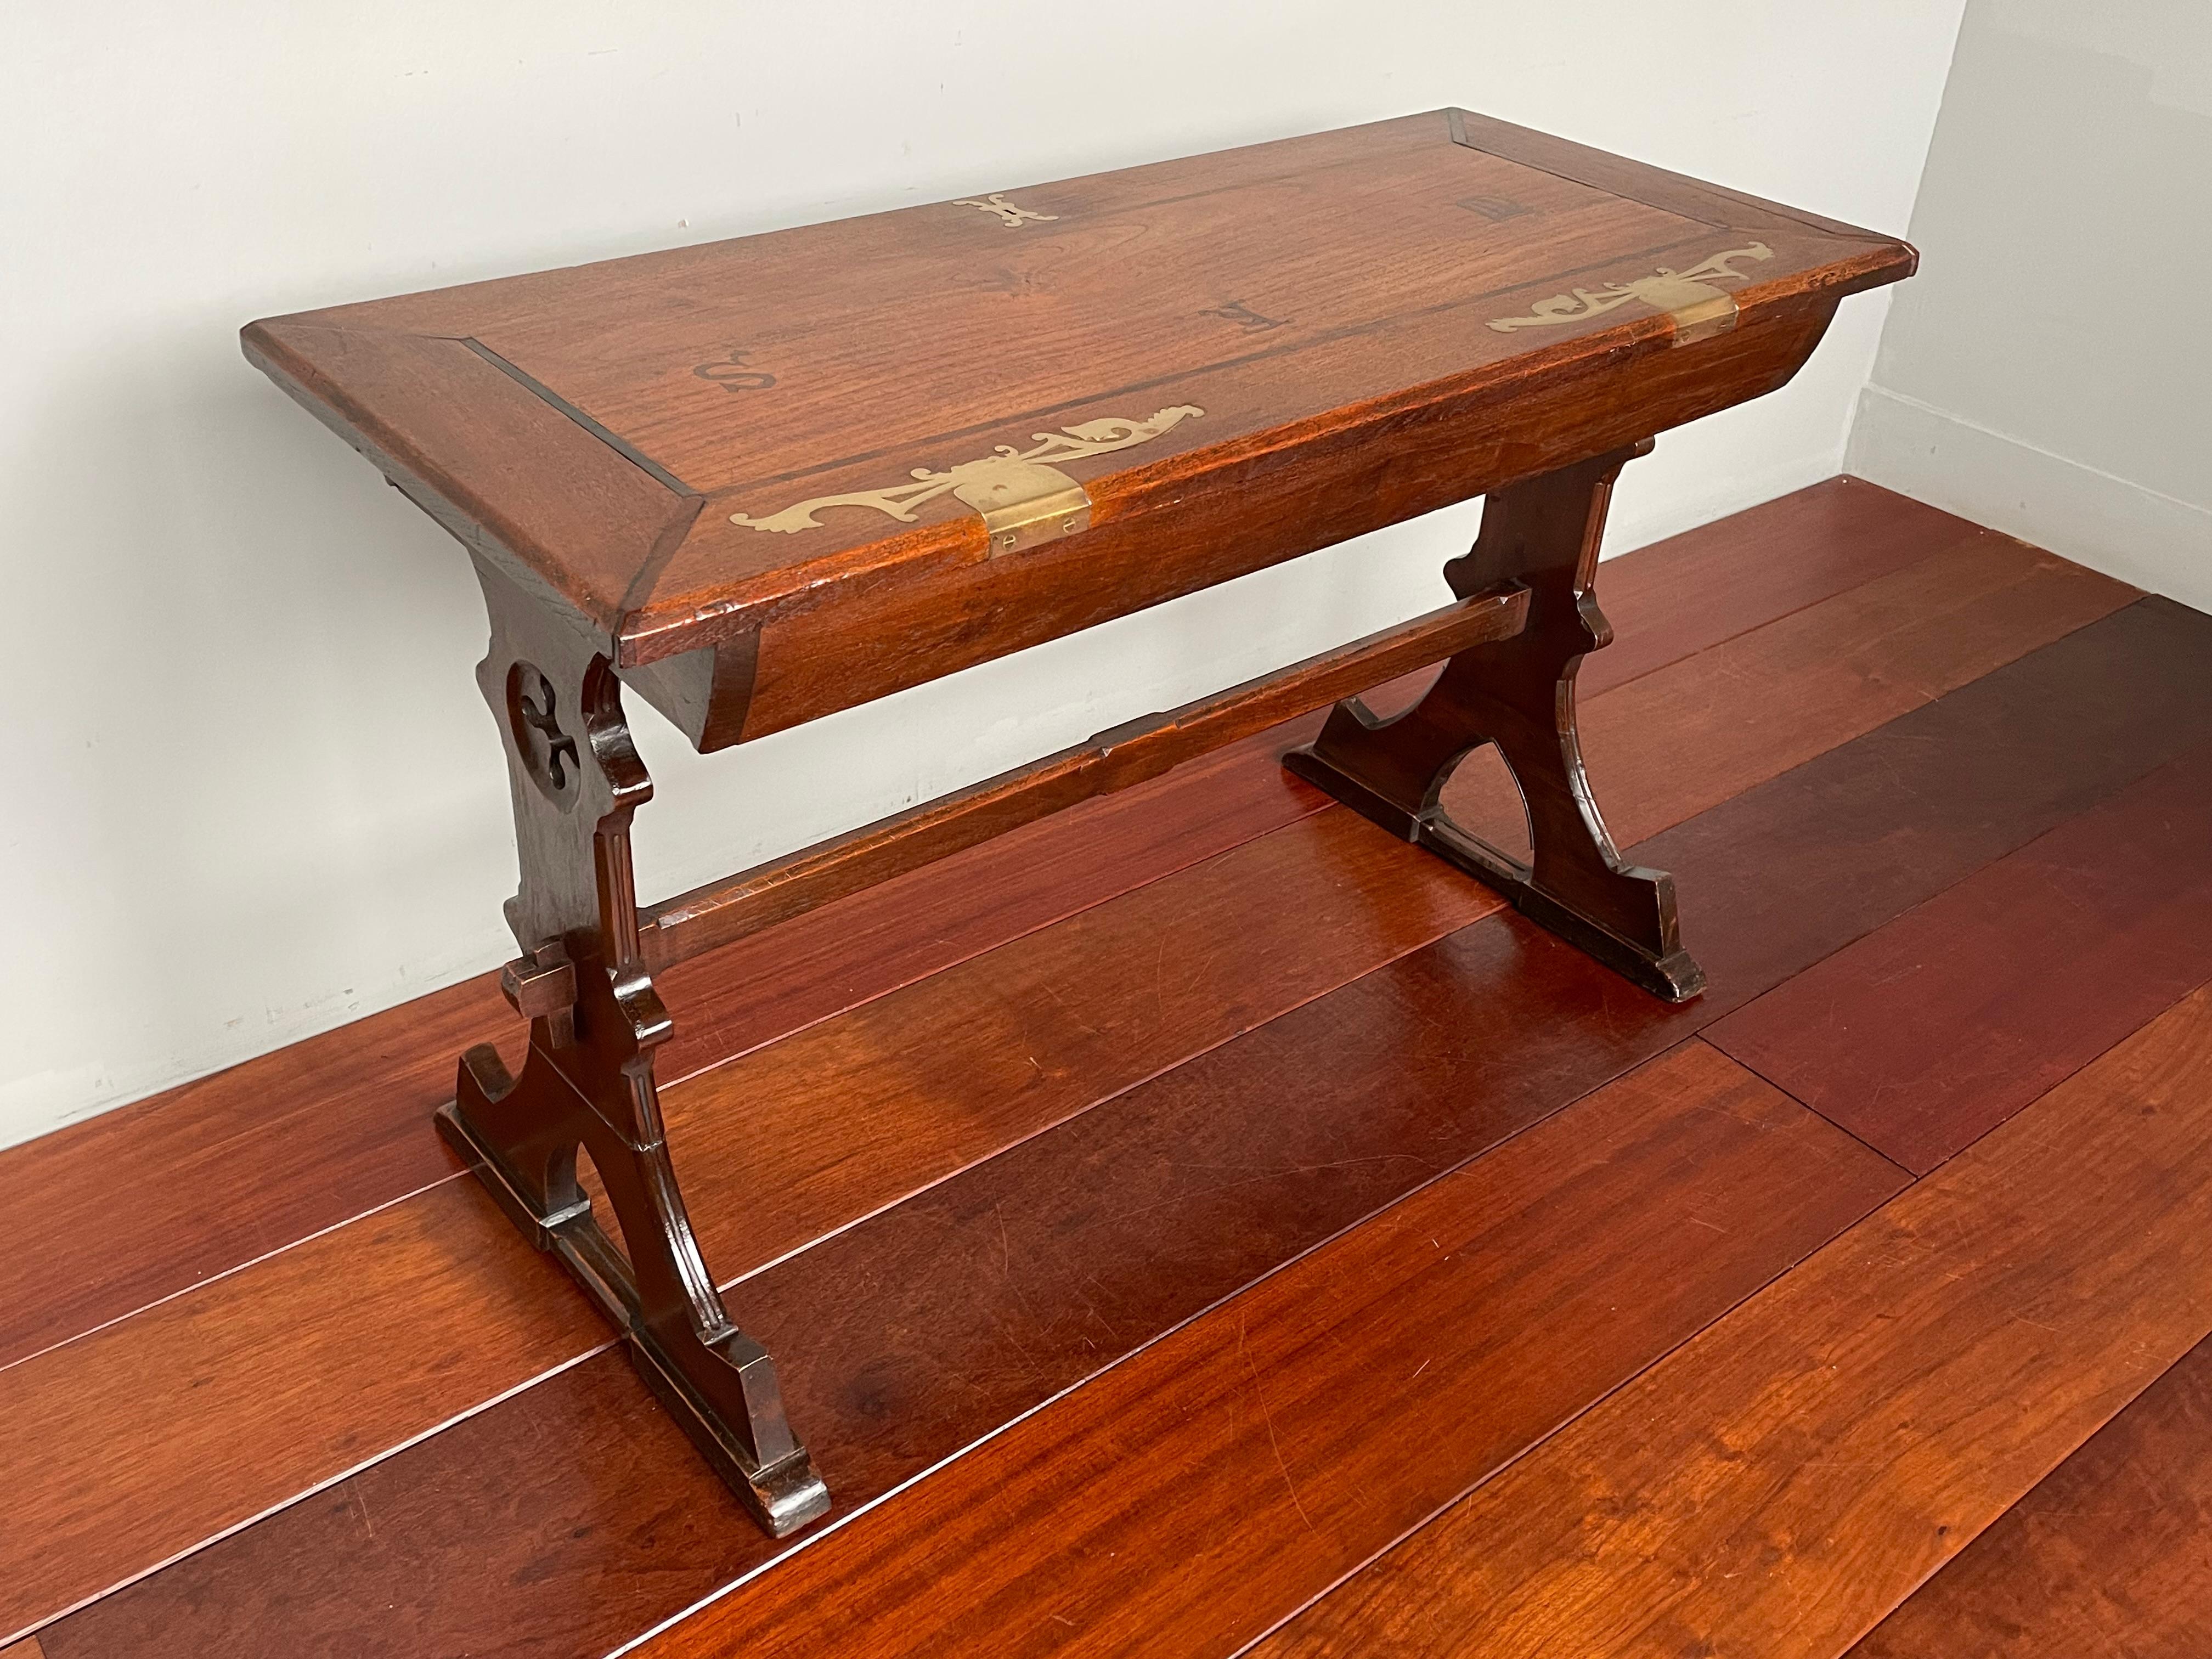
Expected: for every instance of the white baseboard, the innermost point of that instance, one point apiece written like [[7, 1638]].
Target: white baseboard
[[2139, 535]]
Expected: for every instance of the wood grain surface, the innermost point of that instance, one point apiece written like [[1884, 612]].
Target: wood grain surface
[[1777, 1484], [917, 1333], [151, 1199], [1798, 869], [2112, 1553], [432, 1306], [1696, 199], [1665, 747], [1114, 759], [1858, 836], [914, 1087], [200, 1179], [1679, 595], [196, 1181], [1322, 325], [1289, 1435], [950, 611], [1936, 1028], [146, 1438], [1880, 825]]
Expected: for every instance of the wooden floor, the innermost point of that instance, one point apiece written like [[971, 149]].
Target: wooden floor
[[1199, 1224]]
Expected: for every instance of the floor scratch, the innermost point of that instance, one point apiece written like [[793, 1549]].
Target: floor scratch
[[1267, 1417]]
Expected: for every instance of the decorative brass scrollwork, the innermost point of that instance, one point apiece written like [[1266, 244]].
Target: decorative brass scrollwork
[[1003, 478], [1688, 296], [1009, 216]]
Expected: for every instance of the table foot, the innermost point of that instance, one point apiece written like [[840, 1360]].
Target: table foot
[[1671, 975], [1518, 693], [716, 1381]]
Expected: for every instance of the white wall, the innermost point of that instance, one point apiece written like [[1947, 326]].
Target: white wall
[[254, 793], [2049, 372]]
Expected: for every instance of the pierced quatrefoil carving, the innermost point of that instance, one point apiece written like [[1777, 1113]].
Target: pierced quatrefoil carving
[[549, 754]]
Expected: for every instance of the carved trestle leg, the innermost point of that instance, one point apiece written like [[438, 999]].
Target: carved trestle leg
[[1519, 694], [595, 1021]]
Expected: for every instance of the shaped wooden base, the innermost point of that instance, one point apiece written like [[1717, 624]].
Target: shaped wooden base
[[1518, 693], [587, 1086], [718, 1383], [1655, 962]]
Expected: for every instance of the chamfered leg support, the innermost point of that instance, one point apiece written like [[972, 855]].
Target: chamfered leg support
[[1519, 694], [588, 1084]]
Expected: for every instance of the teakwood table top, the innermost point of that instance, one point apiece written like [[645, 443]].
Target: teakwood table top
[[648, 440]]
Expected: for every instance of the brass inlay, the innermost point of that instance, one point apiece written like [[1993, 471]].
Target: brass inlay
[[1008, 215], [1699, 309], [1023, 498]]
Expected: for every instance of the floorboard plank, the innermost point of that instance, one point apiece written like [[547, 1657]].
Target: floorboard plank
[[1936, 1028], [1188, 1500], [1783, 1481], [909, 1337], [908, 1091], [147, 1201], [202, 1178], [1861, 835], [2112, 1553], [146, 1438], [1675, 597], [199, 1180], [1184, 1501], [1685, 738], [1781, 878]]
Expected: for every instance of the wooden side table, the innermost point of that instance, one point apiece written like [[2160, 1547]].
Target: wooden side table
[[763, 480]]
